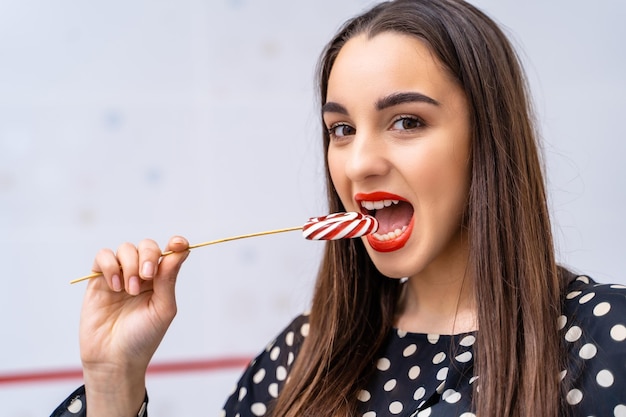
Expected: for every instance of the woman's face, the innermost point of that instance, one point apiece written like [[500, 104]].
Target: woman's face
[[399, 149]]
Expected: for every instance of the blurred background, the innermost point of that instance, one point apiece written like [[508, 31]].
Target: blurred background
[[121, 120]]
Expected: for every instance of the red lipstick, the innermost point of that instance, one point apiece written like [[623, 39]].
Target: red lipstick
[[399, 212]]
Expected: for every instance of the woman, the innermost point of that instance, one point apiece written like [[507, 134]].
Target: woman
[[456, 307]]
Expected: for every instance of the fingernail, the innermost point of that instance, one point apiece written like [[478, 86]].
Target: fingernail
[[117, 283], [147, 270], [134, 285]]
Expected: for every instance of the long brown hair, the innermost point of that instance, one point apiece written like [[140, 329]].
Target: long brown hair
[[518, 286]]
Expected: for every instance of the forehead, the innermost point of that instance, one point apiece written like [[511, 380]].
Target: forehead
[[387, 61]]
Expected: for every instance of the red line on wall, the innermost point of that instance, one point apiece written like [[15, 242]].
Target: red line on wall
[[200, 365]]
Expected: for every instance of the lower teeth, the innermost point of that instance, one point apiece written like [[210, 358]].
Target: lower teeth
[[389, 235]]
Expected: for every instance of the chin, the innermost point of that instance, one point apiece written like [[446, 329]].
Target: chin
[[390, 266]]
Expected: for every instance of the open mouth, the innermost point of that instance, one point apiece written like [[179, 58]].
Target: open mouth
[[395, 222]]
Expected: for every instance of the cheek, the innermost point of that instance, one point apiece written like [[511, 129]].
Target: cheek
[[442, 175], [336, 170], [331, 160]]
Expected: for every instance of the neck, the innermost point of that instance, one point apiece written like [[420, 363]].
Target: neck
[[441, 303]]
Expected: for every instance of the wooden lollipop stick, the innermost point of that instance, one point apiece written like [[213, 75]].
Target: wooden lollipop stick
[[211, 242]]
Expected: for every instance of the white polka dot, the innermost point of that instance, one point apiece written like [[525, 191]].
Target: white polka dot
[[433, 338], [383, 364], [464, 357], [583, 278], [574, 397], [364, 396], [440, 387], [425, 413], [409, 350], [451, 396], [390, 385], [414, 372], [273, 389], [618, 286], [258, 409], [618, 332], [370, 414], [442, 374], [242, 393], [281, 373], [620, 410], [419, 393], [561, 322], [573, 294], [75, 406], [258, 377], [605, 378], [588, 351], [395, 407], [573, 334], [601, 309], [467, 340], [304, 330], [289, 339], [468, 415], [562, 374], [401, 333], [439, 357], [585, 298], [290, 358], [472, 379]]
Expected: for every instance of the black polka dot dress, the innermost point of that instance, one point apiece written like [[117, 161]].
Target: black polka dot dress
[[421, 375]]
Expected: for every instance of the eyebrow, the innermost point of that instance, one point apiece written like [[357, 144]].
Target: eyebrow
[[332, 107], [385, 102], [406, 97]]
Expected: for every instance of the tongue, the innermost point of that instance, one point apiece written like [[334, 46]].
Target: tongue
[[394, 217]]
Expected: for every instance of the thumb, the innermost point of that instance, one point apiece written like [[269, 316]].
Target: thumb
[[164, 283]]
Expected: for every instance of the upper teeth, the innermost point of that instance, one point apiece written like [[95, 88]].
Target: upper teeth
[[377, 205]]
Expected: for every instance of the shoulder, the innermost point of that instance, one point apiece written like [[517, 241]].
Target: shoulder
[[594, 306], [266, 374], [593, 327], [282, 351]]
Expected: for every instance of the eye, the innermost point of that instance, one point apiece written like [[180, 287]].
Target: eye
[[407, 123], [340, 130]]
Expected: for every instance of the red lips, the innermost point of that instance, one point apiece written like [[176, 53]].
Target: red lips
[[396, 242]]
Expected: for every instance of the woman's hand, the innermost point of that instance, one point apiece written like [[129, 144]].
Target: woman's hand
[[124, 317]]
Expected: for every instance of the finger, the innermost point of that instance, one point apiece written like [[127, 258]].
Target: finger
[[177, 244], [169, 267], [128, 258], [107, 263], [149, 255]]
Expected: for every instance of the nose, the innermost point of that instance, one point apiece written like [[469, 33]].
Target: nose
[[366, 158]]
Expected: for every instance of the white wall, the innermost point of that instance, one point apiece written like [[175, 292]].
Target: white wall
[[128, 119]]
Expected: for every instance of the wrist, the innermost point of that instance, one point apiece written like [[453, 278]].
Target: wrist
[[115, 394]]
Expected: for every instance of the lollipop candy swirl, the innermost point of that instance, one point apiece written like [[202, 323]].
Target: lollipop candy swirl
[[339, 226]]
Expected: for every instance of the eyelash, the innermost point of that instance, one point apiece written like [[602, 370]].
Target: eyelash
[[333, 129], [420, 123], [402, 118]]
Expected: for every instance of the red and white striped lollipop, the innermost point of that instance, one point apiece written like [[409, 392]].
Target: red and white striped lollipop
[[331, 227], [339, 226]]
